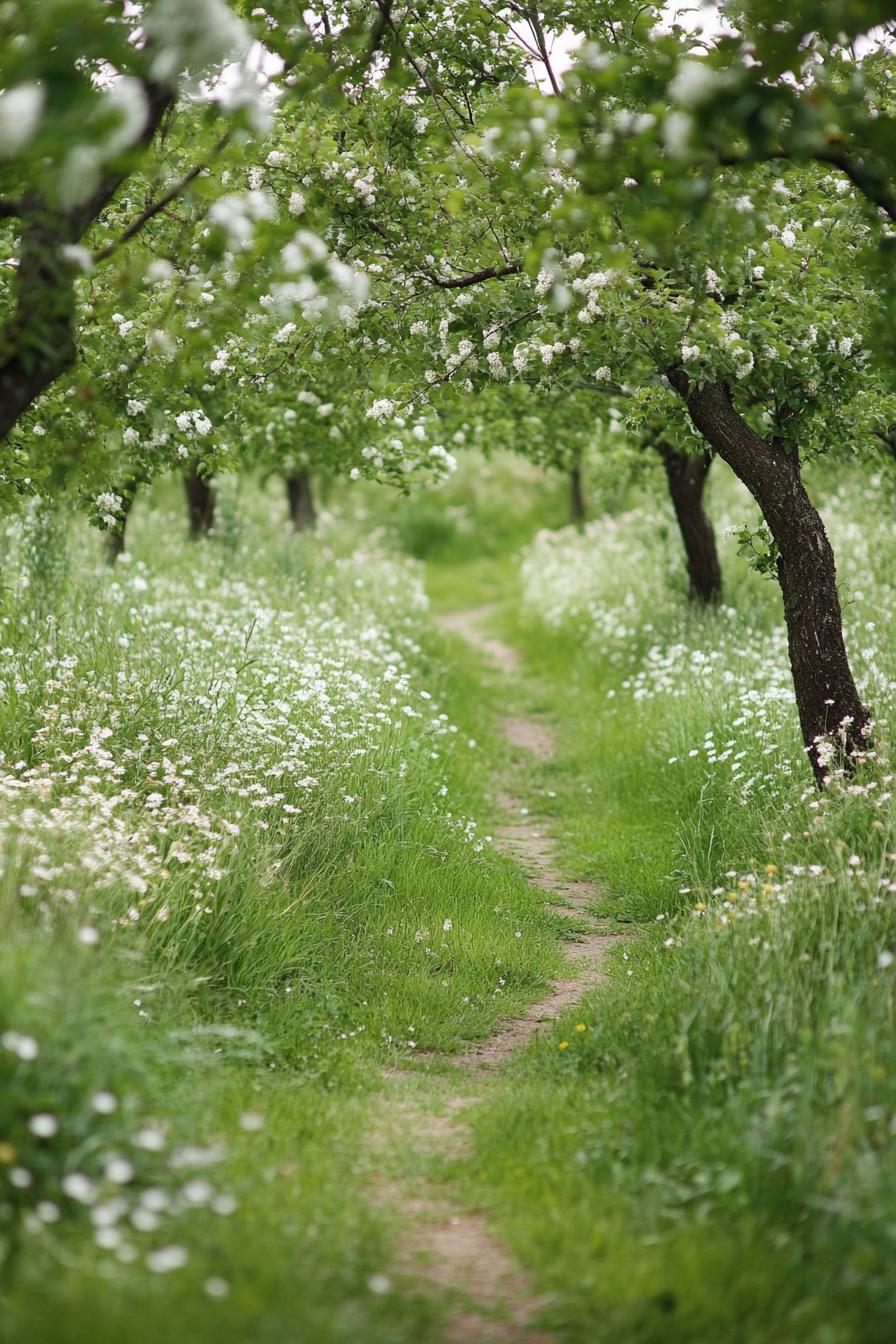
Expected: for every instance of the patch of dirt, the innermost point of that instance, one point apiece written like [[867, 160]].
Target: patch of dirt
[[529, 735], [450, 1248], [458, 1254], [453, 1249], [586, 956], [468, 624]]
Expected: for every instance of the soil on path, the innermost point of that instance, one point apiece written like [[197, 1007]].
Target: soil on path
[[452, 1249]]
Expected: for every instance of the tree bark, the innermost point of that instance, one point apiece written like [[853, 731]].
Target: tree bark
[[37, 343], [686, 475], [200, 503], [300, 496], [827, 699], [578, 507]]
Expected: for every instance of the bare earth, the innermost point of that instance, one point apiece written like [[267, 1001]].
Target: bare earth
[[452, 1250]]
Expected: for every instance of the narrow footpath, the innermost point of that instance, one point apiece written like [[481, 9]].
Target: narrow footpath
[[440, 1244]]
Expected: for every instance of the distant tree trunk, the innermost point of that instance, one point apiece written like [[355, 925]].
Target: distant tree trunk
[[200, 503], [301, 500], [578, 507], [115, 539], [686, 475], [827, 699], [888, 439], [114, 545]]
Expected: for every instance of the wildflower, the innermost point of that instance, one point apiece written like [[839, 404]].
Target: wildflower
[[44, 1125], [79, 1187], [26, 1047], [119, 1170], [166, 1259]]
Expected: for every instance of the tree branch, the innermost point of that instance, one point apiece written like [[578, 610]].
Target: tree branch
[[477, 277], [871, 186], [158, 205]]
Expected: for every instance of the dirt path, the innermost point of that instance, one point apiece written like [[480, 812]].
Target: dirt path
[[449, 1248]]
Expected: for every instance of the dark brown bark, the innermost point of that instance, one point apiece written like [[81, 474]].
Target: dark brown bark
[[300, 497], [200, 503], [578, 506], [827, 699], [37, 343], [686, 475]]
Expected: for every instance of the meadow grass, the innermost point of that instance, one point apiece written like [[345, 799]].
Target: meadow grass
[[245, 866], [240, 874], [706, 1148]]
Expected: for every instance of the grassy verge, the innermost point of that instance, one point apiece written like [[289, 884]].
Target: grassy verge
[[240, 873], [706, 1149]]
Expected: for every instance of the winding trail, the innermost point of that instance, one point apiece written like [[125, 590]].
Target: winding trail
[[440, 1245]]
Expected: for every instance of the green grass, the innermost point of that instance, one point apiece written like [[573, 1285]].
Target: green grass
[[239, 878], [196, 973], [714, 1156]]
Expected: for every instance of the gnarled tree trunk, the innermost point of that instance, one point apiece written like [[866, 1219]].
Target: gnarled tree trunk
[[827, 699], [686, 475], [200, 503], [300, 496]]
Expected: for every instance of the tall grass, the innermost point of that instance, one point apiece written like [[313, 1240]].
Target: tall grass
[[239, 874], [707, 1149]]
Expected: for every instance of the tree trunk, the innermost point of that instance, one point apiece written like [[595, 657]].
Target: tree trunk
[[115, 538], [37, 341], [301, 500], [114, 544], [827, 699], [686, 475], [200, 503], [888, 439], [578, 508]]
